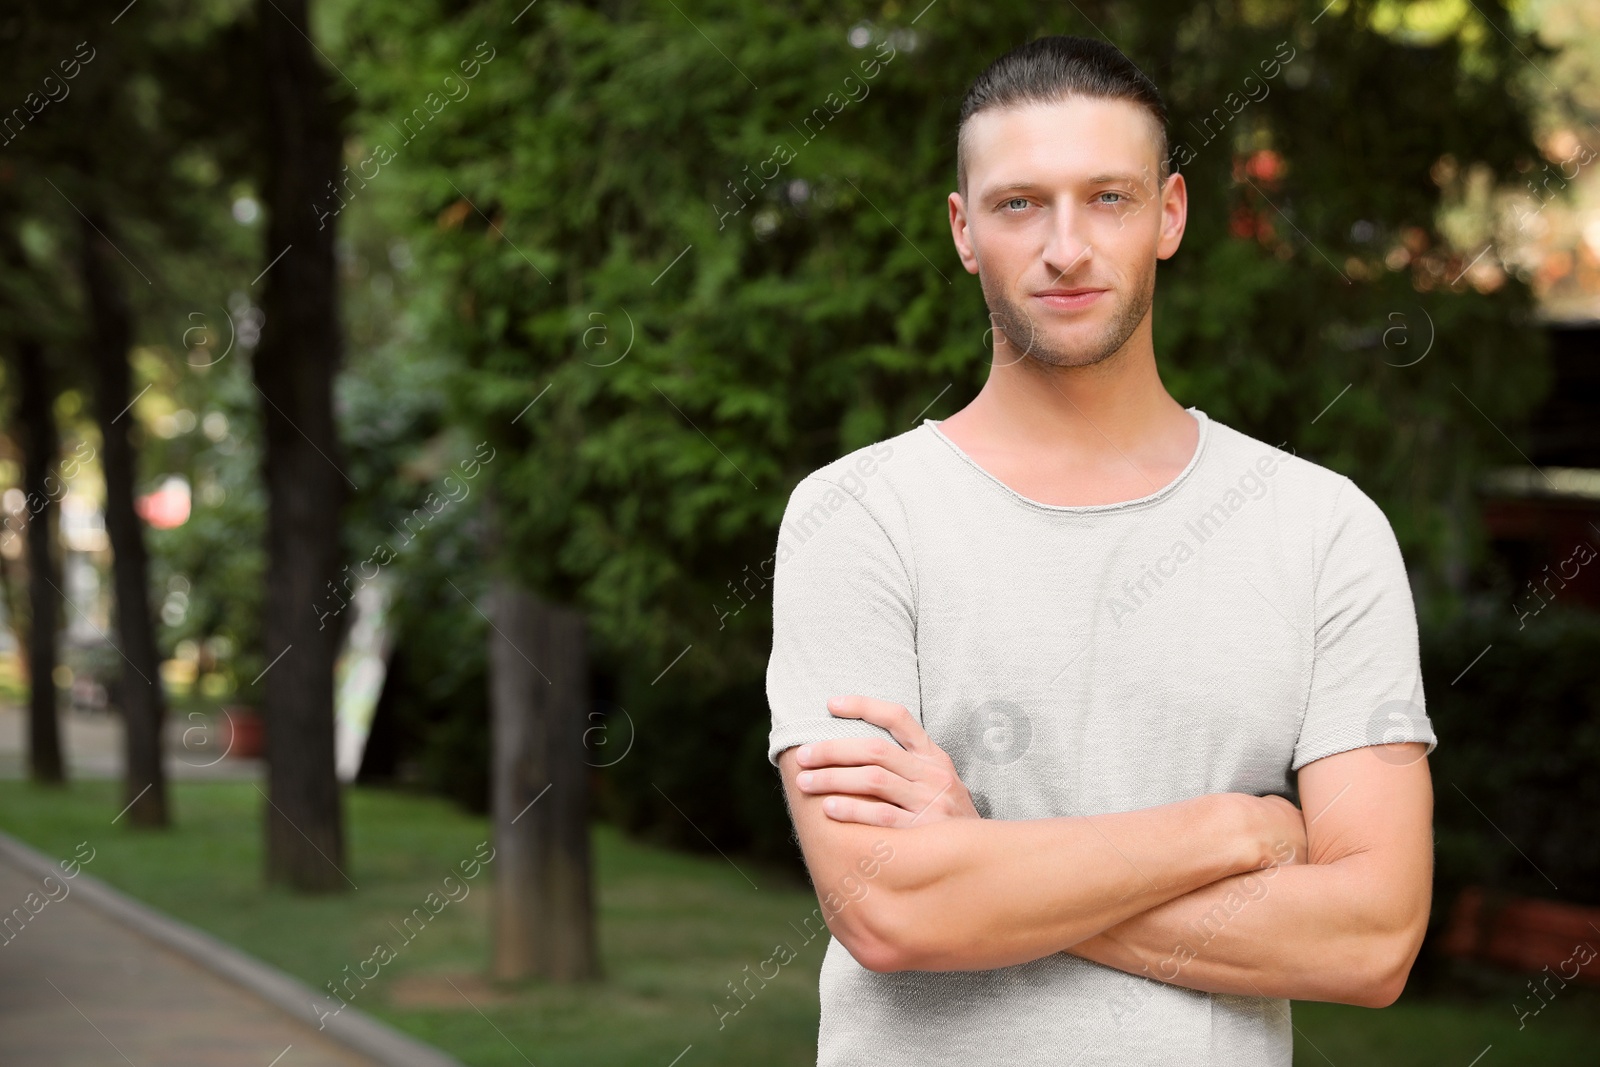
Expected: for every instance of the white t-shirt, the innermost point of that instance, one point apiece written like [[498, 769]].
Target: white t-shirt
[[1214, 636]]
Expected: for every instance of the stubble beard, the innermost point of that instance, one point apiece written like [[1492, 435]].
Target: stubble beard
[[1027, 337]]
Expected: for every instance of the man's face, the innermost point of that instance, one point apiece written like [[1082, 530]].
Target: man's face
[[1064, 197]]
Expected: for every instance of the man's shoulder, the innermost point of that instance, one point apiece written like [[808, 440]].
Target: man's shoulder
[[900, 462], [868, 493], [1278, 463], [1325, 499]]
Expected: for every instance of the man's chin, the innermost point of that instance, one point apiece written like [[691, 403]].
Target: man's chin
[[1064, 353]]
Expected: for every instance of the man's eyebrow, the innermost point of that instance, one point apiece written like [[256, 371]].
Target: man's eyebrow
[[1106, 179], [1025, 186]]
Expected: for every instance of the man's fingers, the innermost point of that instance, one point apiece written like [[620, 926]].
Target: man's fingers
[[870, 812], [871, 769], [895, 718], [862, 752], [868, 781]]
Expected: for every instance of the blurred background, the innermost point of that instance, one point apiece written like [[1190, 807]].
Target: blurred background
[[398, 402]]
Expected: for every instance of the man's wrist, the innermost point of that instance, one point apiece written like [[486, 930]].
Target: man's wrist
[[1251, 845]]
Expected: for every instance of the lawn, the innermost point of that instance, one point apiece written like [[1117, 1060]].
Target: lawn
[[674, 931]]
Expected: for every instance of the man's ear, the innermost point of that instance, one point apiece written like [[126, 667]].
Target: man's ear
[[1174, 215], [961, 233]]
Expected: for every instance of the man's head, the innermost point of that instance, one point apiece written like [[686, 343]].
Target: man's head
[[1064, 184]]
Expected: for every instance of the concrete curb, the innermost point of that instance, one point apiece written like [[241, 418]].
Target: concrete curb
[[351, 1028]]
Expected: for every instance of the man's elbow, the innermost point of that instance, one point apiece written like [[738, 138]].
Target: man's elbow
[[1372, 989], [1378, 988], [899, 934], [871, 938], [1381, 979], [1394, 967], [878, 956], [902, 921], [892, 929]]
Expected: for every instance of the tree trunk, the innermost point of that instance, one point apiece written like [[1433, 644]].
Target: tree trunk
[[10, 582], [294, 369], [543, 901], [143, 704], [39, 446]]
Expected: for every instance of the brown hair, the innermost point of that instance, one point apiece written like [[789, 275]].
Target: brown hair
[[1048, 70]]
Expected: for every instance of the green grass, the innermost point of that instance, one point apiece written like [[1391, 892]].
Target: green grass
[[1424, 1033], [673, 930]]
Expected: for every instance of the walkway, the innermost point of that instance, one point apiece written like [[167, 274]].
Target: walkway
[[78, 987], [95, 978], [93, 743]]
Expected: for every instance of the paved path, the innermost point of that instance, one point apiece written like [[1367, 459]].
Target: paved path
[[99, 980], [79, 988], [93, 743]]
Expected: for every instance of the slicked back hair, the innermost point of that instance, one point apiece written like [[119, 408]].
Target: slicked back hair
[[1048, 70]]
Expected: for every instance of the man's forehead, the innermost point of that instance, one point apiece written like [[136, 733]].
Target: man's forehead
[[1082, 139]]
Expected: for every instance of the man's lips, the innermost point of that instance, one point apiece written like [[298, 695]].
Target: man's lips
[[1068, 299]]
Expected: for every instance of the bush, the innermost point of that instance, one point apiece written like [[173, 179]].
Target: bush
[[706, 753], [1519, 739]]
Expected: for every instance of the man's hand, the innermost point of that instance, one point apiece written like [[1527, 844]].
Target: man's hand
[[881, 783]]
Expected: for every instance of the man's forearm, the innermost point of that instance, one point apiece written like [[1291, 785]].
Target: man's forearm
[[1344, 927], [974, 894], [1329, 931]]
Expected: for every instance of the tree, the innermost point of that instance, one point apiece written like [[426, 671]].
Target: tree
[[93, 155], [143, 702], [544, 901], [294, 368], [153, 123], [712, 273], [41, 491]]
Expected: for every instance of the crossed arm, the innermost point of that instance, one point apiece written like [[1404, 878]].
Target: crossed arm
[[1226, 893]]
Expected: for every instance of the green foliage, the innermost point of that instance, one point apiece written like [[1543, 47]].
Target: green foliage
[[709, 277], [140, 121], [415, 520], [207, 574], [439, 680], [1519, 740]]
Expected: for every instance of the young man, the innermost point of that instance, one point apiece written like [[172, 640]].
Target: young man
[[1043, 673]]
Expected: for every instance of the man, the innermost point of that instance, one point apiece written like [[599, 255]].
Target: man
[[1044, 673]]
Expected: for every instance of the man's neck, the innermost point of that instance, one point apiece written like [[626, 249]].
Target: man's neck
[[1101, 433]]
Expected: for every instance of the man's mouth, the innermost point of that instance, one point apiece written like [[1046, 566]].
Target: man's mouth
[[1068, 299]]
